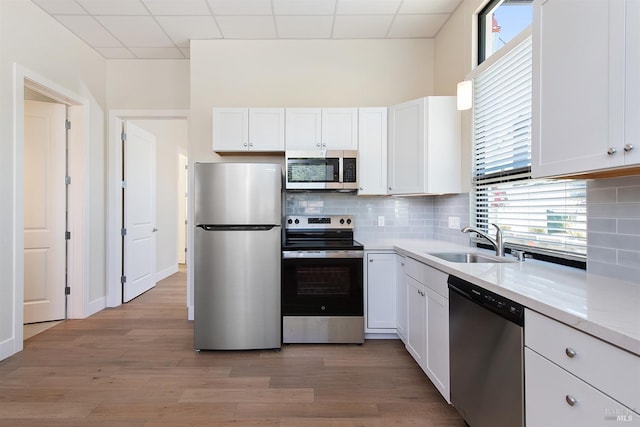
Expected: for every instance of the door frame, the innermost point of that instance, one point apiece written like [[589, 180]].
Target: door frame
[[78, 304], [114, 191]]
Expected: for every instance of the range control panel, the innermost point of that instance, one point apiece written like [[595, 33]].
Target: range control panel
[[319, 222]]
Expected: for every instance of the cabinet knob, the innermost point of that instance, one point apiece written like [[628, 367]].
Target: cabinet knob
[[389, 188], [361, 188], [245, 144], [571, 353], [318, 144], [402, 264], [611, 151], [370, 260], [571, 401], [628, 147], [251, 144]]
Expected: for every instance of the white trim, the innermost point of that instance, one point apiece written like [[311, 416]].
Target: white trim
[[95, 306], [79, 259], [114, 199], [504, 50], [163, 274], [381, 335]]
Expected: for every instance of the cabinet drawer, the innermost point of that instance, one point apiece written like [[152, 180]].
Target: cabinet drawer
[[548, 389], [614, 371], [434, 279], [414, 269]]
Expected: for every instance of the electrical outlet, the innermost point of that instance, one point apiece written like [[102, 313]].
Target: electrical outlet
[[380, 221], [454, 222]]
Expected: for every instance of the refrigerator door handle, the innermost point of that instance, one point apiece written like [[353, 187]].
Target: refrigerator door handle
[[209, 227]]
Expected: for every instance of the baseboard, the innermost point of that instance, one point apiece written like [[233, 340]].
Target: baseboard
[[8, 348], [163, 274], [95, 306], [190, 312], [378, 336]]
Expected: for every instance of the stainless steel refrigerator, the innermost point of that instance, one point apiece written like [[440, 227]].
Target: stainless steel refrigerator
[[237, 256]]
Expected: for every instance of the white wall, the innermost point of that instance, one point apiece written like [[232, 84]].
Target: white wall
[[34, 41], [148, 84], [455, 56], [296, 73], [171, 140]]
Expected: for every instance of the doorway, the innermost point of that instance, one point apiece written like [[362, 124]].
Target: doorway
[[170, 131]]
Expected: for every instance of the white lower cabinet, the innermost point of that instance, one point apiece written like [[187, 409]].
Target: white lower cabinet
[[575, 379], [401, 298], [381, 293], [556, 398], [427, 330]]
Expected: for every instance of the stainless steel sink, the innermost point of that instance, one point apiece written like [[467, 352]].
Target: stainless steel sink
[[467, 258]]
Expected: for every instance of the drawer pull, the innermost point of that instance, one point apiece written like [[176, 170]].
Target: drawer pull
[[571, 401], [571, 353]]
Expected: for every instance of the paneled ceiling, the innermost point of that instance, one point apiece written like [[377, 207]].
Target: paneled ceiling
[[162, 29]]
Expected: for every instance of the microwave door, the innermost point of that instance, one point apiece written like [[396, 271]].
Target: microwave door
[[308, 173]]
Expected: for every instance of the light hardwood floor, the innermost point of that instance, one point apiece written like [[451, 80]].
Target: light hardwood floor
[[135, 366]]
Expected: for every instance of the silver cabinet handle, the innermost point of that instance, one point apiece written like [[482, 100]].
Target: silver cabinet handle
[[611, 151], [628, 147], [571, 401], [154, 230], [571, 353]]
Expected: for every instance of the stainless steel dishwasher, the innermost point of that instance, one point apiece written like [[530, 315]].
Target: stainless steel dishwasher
[[486, 356]]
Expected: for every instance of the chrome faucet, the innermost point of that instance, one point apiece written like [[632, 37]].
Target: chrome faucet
[[497, 243]]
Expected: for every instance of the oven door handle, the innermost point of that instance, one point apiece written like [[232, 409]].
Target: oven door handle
[[321, 254]]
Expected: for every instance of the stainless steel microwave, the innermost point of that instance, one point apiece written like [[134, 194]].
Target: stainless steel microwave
[[321, 170]]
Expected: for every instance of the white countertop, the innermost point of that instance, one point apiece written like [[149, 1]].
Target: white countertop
[[603, 307]]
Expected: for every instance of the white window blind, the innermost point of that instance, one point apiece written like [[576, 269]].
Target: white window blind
[[546, 216]]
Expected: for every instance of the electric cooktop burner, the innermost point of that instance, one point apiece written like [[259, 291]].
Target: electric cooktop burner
[[327, 232]]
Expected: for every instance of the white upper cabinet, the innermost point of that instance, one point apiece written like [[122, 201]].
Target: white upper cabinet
[[372, 151], [339, 128], [248, 129], [303, 129], [311, 129], [586, 86], [424, 147]]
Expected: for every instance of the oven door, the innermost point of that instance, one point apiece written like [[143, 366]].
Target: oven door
[[322, 283]]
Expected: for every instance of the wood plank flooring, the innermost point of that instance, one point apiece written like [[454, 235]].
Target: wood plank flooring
[[135, 366]]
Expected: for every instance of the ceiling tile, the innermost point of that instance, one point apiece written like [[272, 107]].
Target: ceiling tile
[[181, 29], [410, 26], [61, 7], [247, 27], [136, 31], [114, 7], [89, 30], [177, 7], [372, 26], [304, 7], [304, 27], [430, 6], [367, 7], [157, 53], [115, 52], [241, 7]]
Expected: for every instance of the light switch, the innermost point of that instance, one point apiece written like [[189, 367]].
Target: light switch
[[381, 221]]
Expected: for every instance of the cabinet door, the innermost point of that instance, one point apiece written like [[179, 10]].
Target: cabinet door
[[632, 84], [549, 391], [372, 151], [302, 129], [437, 347], [406, 148], [401, 299], [381, 291], [577, 86], [416, 320], [339, 128], [266, 129], [230, 129]]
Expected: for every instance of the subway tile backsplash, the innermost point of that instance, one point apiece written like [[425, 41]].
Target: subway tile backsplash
[[404, 217], [453, 205], [613, 227]]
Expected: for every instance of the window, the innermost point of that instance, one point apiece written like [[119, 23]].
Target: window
[[539, 216], [499, 22]]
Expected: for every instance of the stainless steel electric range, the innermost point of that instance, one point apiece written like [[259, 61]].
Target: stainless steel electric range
[[322, 281]]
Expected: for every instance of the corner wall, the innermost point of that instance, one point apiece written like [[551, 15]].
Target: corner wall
[[36, 42]]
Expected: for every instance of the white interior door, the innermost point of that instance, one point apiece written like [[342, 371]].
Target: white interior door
[[182, 209], [139, 212], [44, 211]]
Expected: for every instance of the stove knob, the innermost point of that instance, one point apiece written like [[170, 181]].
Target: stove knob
[[341, 220], [297, 221], [348, 220], [289, 221]]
